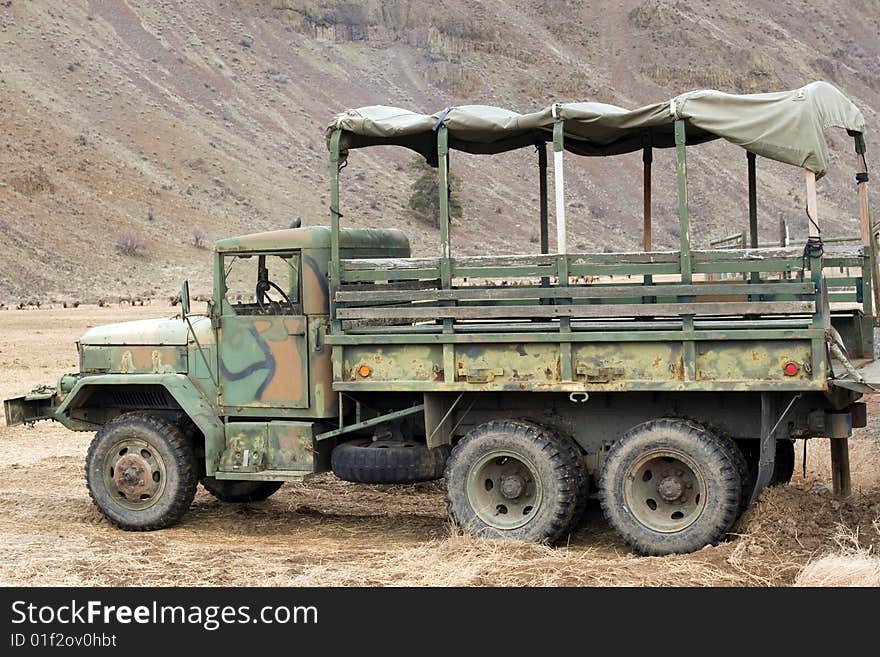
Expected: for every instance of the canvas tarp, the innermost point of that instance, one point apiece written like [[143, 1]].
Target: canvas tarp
[[786, 126]]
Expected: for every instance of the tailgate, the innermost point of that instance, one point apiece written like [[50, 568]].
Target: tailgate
[[36, 405]]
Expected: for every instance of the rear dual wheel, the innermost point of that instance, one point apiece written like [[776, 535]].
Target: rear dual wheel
[[671, 486], [513, 479]]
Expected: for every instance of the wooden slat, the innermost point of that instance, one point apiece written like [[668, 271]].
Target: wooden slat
[[624, 269], [576, 292], [502, 272], [853, 262], [530, 260], [388, 274], [372, 286], [621, 310], [744, 266], [389, 263], [842, 281], [520, 260], [763, 253]]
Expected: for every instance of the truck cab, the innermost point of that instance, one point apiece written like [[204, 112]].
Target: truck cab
[[249, 381]]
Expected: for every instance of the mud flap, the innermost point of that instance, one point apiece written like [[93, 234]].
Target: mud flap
[[767, 457], [37, 405]]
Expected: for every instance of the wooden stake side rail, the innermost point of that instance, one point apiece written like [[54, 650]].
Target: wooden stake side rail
[[732, 308], [381, 281], [577, 292]]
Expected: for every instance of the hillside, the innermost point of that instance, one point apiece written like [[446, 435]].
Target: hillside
[[154, 118]]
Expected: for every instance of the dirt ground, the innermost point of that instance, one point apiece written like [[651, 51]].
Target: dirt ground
[[326, 532]]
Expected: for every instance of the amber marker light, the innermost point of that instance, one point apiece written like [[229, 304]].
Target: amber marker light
[[364, 371]]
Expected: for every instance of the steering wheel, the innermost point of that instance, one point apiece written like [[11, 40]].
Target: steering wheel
[[270, 306]]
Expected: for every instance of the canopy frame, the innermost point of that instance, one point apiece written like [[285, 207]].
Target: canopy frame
[[555, 132]]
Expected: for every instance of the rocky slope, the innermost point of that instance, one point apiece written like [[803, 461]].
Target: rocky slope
[[149, 119]]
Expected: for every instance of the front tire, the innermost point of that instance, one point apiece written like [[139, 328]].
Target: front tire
[[241, 491], [141, 472], [670, 487], [508, 479]]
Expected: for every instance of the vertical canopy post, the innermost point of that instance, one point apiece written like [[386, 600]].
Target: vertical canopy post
[[335, 267], [559, 182], [753, 201], [862, 184], [647, 158], [443, 182], [683, 214], [867, 230], [753, 209], [542, 183], [545, 228]]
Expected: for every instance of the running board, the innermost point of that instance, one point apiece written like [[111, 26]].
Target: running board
[[265, 475]]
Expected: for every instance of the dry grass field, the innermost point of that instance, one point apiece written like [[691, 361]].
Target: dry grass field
[[327, 533]]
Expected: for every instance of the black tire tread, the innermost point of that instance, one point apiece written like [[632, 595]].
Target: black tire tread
[[558, 457], [575, 455], [237, 491], [730, 489], [184, 458], [357, 462]]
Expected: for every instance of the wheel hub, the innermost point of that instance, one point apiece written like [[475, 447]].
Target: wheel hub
[[512, 486], [665, 490], [131, 474], [671, 488], [134, 473], [504, 489]]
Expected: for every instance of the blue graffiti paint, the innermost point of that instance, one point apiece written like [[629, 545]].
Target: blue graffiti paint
[[268, 363], [322, 281]]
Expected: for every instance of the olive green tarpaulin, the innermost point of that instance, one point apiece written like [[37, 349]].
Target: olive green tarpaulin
[[786, 126]]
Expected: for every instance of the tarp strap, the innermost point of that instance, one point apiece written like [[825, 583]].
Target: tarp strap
[[442, 118]]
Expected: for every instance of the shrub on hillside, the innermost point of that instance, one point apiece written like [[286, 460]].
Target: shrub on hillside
[[200, 237], [132, 243]]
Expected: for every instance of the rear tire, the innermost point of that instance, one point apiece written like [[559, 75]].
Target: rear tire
[[388, 461], [509, 479], [240, 491], [141, 472], [568, 444], [669, 487]]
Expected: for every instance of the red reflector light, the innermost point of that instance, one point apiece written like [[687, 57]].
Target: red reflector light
[[790, 369]]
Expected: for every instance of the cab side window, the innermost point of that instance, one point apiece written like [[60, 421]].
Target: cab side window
[[263, 284]]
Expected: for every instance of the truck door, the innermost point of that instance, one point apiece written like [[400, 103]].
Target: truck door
[[262, 337]]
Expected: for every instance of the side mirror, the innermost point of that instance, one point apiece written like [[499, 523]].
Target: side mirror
[[184, 299]]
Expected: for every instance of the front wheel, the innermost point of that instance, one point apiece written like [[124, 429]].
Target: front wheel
[[670, 487], [141, 472]]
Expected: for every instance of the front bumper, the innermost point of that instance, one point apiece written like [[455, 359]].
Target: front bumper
[[39, 404]]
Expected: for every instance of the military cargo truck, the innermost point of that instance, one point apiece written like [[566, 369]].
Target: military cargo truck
[[669, 384]]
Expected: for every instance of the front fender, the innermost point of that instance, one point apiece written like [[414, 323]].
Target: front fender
[[181, 388]]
